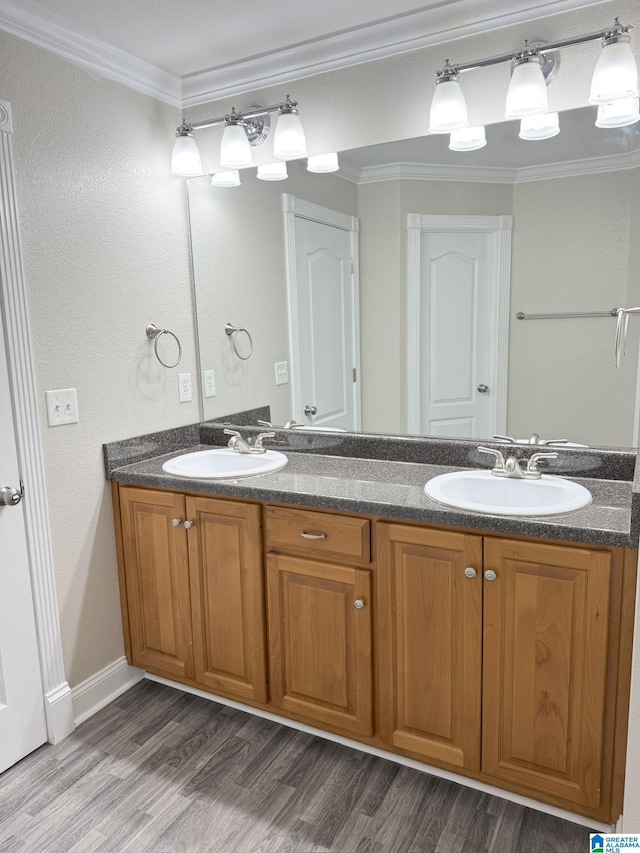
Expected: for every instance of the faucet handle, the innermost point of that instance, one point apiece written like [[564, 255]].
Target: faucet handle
[[532, 471], [232, 432], [506, 438], [500, 466], [257, 444], [265, 423]]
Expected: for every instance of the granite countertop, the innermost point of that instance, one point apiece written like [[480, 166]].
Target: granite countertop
[[394, 489]]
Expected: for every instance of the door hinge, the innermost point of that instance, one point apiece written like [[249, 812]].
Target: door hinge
[[353, 269], [355, 375]]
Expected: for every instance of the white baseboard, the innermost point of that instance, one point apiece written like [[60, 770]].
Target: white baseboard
[[58, 710], [97, 691], [390, 756]]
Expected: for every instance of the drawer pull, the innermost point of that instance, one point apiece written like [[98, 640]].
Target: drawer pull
[[313, 535]]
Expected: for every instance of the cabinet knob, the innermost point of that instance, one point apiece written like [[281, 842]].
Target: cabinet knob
[[490, 575], [188, 525], [358, 604], [469, 572], [176, 522]]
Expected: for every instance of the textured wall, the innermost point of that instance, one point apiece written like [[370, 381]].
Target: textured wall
[[104, 237]]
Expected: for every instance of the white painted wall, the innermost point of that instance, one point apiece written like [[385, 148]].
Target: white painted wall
[[105, 245]]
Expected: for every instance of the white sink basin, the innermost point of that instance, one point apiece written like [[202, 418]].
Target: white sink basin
[[224, 463], [481, 491]]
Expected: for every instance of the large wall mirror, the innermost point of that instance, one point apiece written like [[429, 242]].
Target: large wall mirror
[[571, 210]]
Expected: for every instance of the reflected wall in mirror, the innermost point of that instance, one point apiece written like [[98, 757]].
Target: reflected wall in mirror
[[575, 247]]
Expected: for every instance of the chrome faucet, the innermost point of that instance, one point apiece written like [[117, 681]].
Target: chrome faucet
[[510, 467], [534, 438], [238, 443]]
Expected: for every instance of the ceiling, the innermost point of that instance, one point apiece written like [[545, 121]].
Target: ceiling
[[187, 52]]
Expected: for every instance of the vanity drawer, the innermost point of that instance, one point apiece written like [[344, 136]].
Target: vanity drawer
[[318, 533]]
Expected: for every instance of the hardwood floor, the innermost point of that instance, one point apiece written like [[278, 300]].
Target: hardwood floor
[[160, 770]]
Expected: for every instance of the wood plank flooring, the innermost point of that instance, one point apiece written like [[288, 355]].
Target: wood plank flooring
[[160, 770]]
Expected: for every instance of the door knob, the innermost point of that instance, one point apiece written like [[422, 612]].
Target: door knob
[[10, 496], [310, 410], [483, 388]]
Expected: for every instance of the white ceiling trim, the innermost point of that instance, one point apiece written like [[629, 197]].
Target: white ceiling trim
[[379, 40], [393, 36], [47, 30], [485, 174]]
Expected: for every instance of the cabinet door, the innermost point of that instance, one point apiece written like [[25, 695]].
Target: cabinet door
[[320, 641], [157, 581], [545, 656], [227, 597], [430, 617]]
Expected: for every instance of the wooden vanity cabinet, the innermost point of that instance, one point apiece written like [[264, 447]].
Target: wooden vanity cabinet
[[501, 656], [320, 620], [505, 659], [195, 594]]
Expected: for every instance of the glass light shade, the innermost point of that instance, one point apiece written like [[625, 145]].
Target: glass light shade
[[540, 126], [272, 172], [468, 138], [527, 92], [235, 151], [323, 163], [289, 140], [619, 113], [185, 158], [226, 179], [448, 108], [615, 75]]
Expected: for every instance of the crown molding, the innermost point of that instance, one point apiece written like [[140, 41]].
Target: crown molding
[[49, 31], [395, 35], [437, 23], [485, 174]]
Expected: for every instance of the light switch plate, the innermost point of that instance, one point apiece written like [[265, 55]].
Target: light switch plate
[[62, 407], [282, 372], [209, 383]]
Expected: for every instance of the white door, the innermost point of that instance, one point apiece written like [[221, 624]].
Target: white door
[[22, 720], [462, 386], [325, 361]]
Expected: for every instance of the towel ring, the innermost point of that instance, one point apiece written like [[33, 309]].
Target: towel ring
[[154, 334], [233, 331]]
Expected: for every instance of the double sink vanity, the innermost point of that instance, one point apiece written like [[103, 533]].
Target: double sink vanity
[[395, 592]]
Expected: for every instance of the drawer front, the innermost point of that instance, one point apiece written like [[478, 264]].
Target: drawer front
[[318, 533]]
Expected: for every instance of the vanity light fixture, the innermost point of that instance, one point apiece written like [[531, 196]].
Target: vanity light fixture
[[272, 172], [226, 179], [242, 131], [323, 163], [185, 159], [618, 113], [533, 68], [542, 126], [468, 138]]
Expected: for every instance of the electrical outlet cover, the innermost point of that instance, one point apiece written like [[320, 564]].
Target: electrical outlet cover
[[209, 383]]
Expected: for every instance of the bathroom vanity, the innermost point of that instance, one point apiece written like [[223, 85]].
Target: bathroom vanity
[[334, 592]]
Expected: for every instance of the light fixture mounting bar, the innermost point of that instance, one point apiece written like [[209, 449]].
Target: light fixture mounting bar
[[617, 30], [252, 112]]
